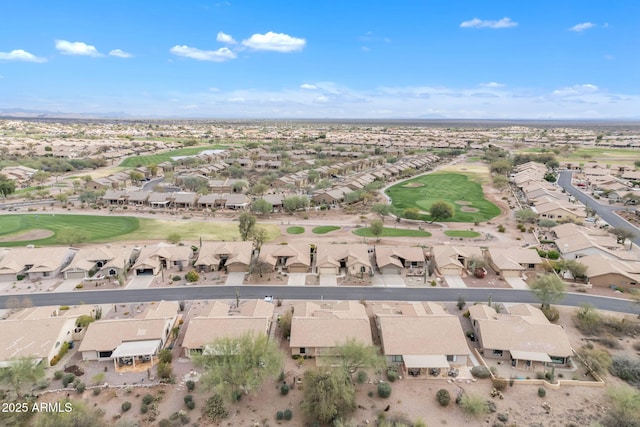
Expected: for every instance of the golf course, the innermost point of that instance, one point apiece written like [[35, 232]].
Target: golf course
[[49, 229], [462, 191]]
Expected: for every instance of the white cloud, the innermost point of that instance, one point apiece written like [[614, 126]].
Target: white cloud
[[480, 23], [220, 55], [20, 55], [576, 90], [492, 84], [308, 86], [225, 38], [214, 89], [581, 27], [277, 42], [76, 48], [120, 53]]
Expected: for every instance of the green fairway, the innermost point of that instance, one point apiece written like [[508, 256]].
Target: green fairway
[[135, 161], [95, 228], [392, 232], [459, 190], [324, 229], [461, 233], [295, 230], [601, 155]]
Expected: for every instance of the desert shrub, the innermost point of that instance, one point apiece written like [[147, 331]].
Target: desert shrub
[[473, 405], [190, 404], [625, 368], [609, 341], [392, 373], [288, 414], [284, 389], [214, 409], [144, 409], [588, 319], [192, 276], [125, 406], [540, 375], [596, 360], [165, 356], [176, 278], [551, 313], [280, 415], [67, 379], [58, 375], [542, 392], [81, 387], [553, 254], [636, 346], [499, 383], [191, 385], [361, 377], [625, 407], [384, 390], [147, 399], [96, 391], [164, 370], [443, 396], [480, 372]]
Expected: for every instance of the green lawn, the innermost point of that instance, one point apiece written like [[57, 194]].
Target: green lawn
[[324, 229], [135, 161], [295, 230], [392, 232], [118, 228], [459, 190], [461, 233]]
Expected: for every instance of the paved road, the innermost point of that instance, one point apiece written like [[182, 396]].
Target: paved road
[[316, 293], [606, 212], [149, 185]]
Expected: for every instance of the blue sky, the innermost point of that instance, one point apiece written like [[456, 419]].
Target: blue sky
[[323, 59]]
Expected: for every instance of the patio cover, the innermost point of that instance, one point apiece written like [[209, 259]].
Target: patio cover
[[136, 348], [425, 361], [530, 355]]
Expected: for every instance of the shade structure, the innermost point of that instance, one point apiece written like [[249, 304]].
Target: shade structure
[[425, 361]]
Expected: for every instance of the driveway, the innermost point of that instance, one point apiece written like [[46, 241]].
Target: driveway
[[67, 285], [328, 279], [388, 280], [454, 281], [517, 283], [297, 279], [235, 279], [140, 282]]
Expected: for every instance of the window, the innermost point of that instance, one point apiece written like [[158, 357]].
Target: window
[[532, 266], [451, 357], [396, 358], [303, 350], [558, 360], [497, 353], [46, 273]]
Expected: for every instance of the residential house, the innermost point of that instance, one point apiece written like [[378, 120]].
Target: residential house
[[557, 210], [319, 327], [110, 260], [224, 256], [154, 259], [34, 263], [419, 337], [604, 271], [450, 260], [183, 199], [399, 259], [218, 320], [350, 259], [291, 258], [523, 337], [514, 262]]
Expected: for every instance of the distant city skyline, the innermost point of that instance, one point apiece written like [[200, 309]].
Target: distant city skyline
[[413, 59]]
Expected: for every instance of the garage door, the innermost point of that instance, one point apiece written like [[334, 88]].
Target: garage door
[[74, 275], [390, 270], [144, 272], [327, 270]]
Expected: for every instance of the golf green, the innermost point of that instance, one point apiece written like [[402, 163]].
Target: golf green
[[459, 190]]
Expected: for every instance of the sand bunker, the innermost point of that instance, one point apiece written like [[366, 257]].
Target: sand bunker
[[36, 234], [468, 209], [413, 185], [462, 202]]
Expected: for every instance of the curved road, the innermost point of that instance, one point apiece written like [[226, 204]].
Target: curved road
[[606, 212], [316, 293]]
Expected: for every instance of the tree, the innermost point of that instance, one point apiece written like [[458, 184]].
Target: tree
[[7, 186], [440, 210], [549, 289], [329, 394], [88, 196], [588, 320], [622, 234], [261, 206], [411, 213], [136, 176], [381, 209], [547, 223], [71, 236], [295, 203], [576, 268], [258, 189], [214, 409], [153, 169], [237, 365], [174, 238], [501, 167], [40, 177], [353, 355], [500, 182], [259, 237], [247, 225], [20, 371], [239, 185], [376, 227], [73, 413], [526, 215], [625, 407]]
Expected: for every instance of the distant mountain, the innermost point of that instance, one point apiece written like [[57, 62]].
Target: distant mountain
[[45, 114]]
